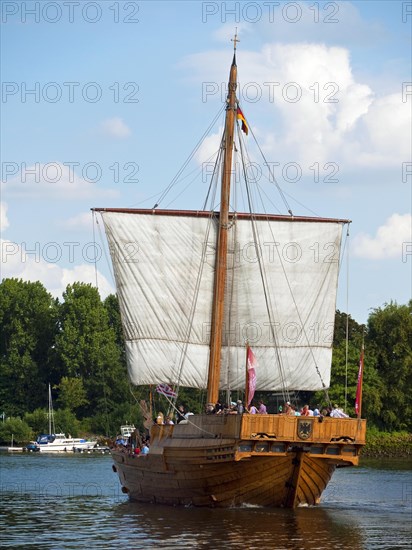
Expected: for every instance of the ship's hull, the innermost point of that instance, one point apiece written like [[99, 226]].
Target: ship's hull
[[265, 463]]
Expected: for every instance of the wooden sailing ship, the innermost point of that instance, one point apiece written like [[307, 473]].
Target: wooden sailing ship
[[188, 303]]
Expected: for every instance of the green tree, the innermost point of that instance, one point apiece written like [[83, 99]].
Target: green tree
[[16, 429], [28, 325], [344, 381], [344, 378], [38, 420], [86, 346], [111, 304], [345, 324], [192, 399], [390, 336], [72, 394], [123, 412], [66, 422]]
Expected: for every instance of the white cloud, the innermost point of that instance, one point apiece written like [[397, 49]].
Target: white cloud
[[209, 148], [58, 181], [388, 241], [32, 265], [312, 104], [116, 128], [388, 132], [4, 222], [79, 223], [86, 274]]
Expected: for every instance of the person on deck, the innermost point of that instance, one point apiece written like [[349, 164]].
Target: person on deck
[[239, 407], [210, 408], [306, 411], [180, 415], [262, 408], [337, 412], [253, 409], [145, 449], [218, 408]]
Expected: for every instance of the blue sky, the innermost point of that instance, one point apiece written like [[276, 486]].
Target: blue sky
[[121, 92]]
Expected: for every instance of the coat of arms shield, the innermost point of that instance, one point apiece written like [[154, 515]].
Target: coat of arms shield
[[304, 428]]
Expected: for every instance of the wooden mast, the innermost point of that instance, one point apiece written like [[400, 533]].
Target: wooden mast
[[221, 254]]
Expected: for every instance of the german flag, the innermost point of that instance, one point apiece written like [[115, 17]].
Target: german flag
[[241, 117]]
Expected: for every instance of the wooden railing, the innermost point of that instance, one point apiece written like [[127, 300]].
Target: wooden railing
[[269, 426], [311, 429]]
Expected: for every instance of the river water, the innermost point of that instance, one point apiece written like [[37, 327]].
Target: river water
[[74, 501]]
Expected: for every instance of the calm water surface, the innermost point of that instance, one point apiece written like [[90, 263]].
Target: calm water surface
[[74, 501]]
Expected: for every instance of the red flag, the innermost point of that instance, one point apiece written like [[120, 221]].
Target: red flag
[[251, 376], [241, 117], [165, 389], [358, 400]]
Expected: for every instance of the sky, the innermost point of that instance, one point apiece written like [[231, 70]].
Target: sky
[[102, 102]]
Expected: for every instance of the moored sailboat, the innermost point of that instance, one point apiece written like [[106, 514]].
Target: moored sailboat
[[204, 285], [58, 442]]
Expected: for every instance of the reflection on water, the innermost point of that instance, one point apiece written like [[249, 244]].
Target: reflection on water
[[75, 501], [305, 528]]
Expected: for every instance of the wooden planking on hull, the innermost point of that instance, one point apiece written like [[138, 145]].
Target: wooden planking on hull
[[309, 480], [271, 464], [215, 474], [243, 481], [317, 472], [259, 481], [265, 488]]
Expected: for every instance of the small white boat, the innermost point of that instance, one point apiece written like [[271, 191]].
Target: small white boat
[[127, 430], [47, 443], [58, 442]]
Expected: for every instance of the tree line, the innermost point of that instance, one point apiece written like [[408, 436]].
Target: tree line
[[76, 345]]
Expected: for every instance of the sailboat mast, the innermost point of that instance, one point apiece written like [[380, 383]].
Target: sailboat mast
[[221, 255], [50, 411]]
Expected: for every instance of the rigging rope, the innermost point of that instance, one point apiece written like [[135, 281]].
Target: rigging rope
[[94, 219], [281, 193], [188, 185], [217, 165], [196, 293], [194, 150], [347, 320], [232, 288], [263, 274]]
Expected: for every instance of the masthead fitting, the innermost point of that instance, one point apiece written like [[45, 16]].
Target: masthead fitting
[[235, 40]]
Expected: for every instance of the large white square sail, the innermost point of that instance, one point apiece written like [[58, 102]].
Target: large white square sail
[[280, 296]]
